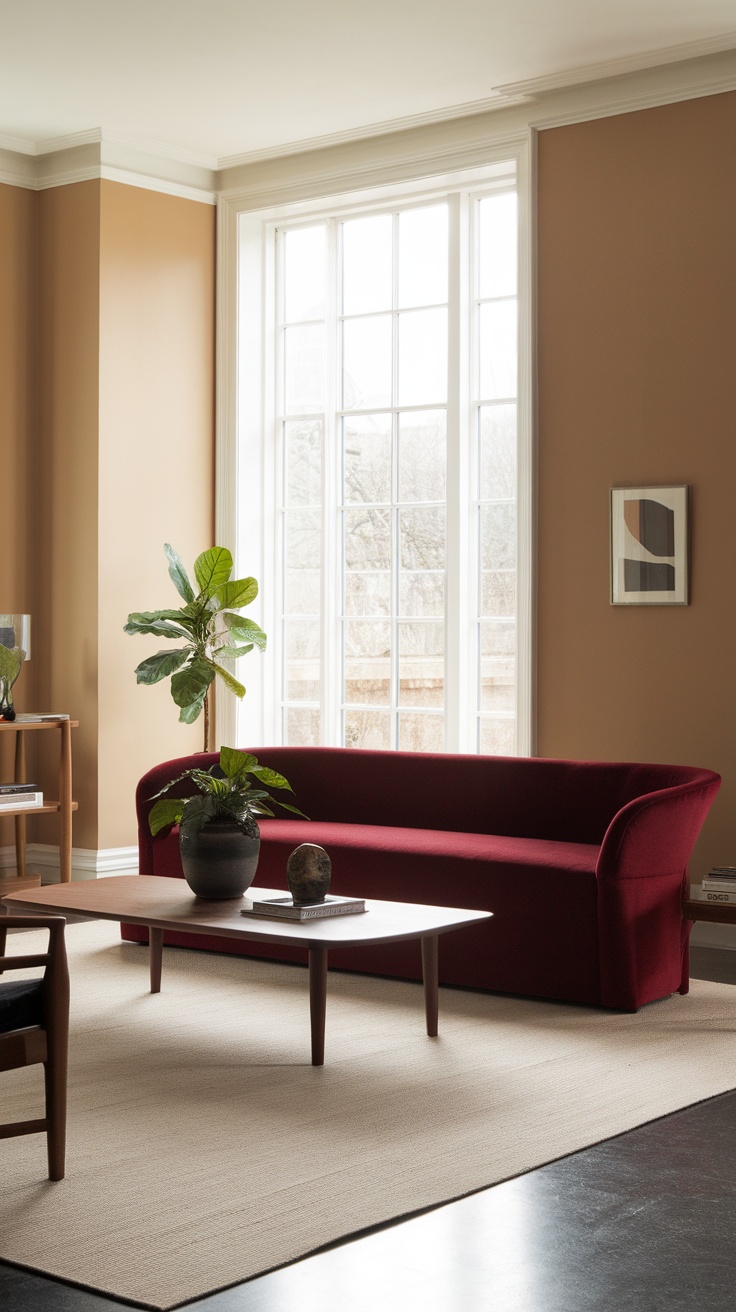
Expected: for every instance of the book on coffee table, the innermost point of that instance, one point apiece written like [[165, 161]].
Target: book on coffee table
[[285, 908]]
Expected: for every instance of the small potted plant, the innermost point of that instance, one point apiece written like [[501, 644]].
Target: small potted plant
[[219, 839]]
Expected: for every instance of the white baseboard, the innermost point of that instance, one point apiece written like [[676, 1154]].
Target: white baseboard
[[87, 862]]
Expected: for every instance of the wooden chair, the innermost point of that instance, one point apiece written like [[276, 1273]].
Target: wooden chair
[[34, 1027]]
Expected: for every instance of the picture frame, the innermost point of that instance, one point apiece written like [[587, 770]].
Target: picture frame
[[650, 545]]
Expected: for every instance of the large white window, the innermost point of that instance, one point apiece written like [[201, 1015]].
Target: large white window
[[395, 574]]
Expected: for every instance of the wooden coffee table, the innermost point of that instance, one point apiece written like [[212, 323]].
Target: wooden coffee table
[[161, 903]]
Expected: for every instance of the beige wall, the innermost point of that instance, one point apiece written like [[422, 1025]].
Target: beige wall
[[65, 624], [637, 385], [17, 426], [156, 472], [107, 427]]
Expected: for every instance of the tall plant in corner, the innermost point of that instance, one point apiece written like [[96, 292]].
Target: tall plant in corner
[[208, 626]]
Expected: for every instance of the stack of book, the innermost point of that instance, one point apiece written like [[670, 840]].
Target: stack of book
[[13, 796], [719, 885]]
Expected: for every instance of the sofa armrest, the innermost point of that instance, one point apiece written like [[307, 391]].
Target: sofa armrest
[[641, 869]]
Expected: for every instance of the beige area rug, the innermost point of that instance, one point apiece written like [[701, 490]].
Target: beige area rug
[[204, 1148]]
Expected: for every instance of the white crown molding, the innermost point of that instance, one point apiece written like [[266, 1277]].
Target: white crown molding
[[148, 183], [305, 145], [85, 156], [617, 67], [472, 139]]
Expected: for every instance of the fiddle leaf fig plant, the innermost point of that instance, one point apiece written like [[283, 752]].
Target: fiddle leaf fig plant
[[208, 627], [225, 793]]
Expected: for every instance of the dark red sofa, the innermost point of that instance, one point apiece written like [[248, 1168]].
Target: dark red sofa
[[582, 863]]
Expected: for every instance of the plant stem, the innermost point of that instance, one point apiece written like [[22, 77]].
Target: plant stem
[[207, 721]]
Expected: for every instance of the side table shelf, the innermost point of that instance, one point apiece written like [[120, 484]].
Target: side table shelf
[[63, 808]]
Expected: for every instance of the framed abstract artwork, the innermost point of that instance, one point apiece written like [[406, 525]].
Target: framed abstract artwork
[[649, 546]]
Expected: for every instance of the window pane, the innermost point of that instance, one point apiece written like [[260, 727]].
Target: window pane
[[422, 538], [367, 662], [497, 736], [367, 592], [497, 452], [498, 346], [422, 592], [367, 458], [497, 638], [367, 539], [302, 592], [422, 357], [367, 363], [303, 462], [498, 536], [302, 646], [497, 686], [303, 532], [367, 729], [304, 273], [301, 727], [422, 455], [421, 664], [498, 241], [423, 256], [421, 733], [498, 592], [367, 276], [304, 369]]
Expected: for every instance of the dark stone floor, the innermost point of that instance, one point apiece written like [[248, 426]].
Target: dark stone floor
[[642, 1223]]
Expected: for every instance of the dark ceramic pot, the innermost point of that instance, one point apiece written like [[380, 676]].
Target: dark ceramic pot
[[220, 861]]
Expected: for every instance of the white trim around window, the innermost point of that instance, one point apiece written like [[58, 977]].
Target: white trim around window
[[247, 524]]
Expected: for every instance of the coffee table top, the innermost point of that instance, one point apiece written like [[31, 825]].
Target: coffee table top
[[169, 904]]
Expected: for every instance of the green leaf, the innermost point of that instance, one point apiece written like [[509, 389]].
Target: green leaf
[[233, 653], [212, 569], [271, 777], [238, 593], [234, 763], [10, 662], [197, 812], [190, 685], [188, 714], [288, 807], [178, 574], [153, 622], [247, 631], [155, 668], [166, 812], [229, 680]]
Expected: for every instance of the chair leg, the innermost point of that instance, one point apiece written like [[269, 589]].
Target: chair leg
[[55, 1075]]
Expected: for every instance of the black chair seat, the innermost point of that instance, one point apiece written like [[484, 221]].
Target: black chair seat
[[21, 1004]]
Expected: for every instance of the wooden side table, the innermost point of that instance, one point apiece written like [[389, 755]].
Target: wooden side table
[[718, 913], [63, 808]]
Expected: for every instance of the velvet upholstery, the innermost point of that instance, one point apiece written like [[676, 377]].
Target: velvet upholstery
[[582, 863]]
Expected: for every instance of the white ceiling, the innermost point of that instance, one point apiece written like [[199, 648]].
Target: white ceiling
[[224, 78]]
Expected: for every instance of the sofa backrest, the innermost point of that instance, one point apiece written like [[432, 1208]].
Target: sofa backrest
[[533, 797]]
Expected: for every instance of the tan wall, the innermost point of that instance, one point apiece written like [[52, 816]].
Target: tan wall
[[637, 385], [157, 278], [65, 631], [17, 432]]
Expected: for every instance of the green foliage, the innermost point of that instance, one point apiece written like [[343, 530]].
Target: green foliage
[[229, 790], [207, 624]]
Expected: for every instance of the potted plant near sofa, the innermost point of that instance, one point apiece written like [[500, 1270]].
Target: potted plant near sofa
[[219, 839]]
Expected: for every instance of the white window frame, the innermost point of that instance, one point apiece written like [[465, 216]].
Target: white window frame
[[245, 413]]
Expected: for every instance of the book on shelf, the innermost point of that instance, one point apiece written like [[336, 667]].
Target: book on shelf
[[12, 790], [718, 885], [14, 801], [720, 896], [722, 872], [285, 908], [32, 717]]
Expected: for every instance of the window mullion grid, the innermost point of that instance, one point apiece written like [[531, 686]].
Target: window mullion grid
[[458, 563], [332, 583], [394, 514]]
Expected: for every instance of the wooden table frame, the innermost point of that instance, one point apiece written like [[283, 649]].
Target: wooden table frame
[[161, 903]]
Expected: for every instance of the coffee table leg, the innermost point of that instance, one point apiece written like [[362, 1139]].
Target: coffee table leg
[[430, 975], [155, 953], [318, 1002]]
